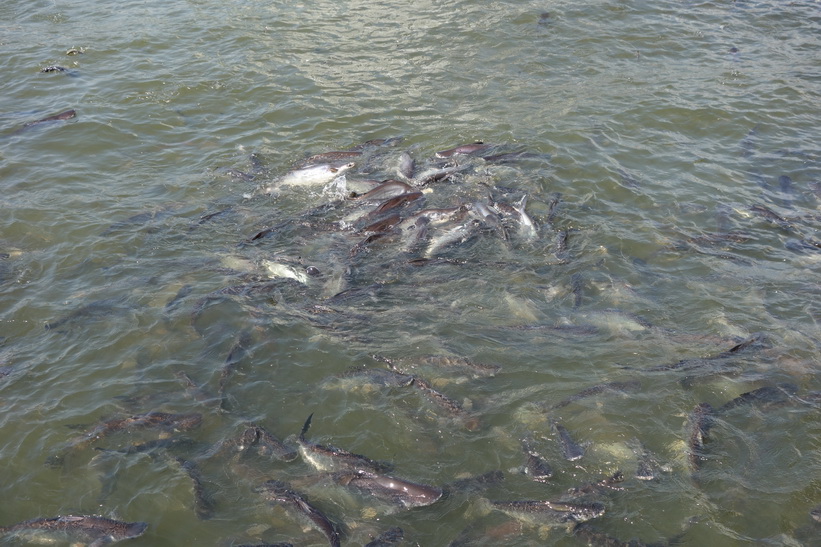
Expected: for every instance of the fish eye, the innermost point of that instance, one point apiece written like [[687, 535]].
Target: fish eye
[[312, 271]]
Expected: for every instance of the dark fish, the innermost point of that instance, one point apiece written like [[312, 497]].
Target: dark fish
[[159, 420], [466, 149], [355, 293], [614, 387], [770, 215], [393, 490], [647, 467], [92, 310], [65, 115], [395, 203], [195, 391], [598, 487], [576, 287], [474, 484], [174, 303], [815, 513], [536, 468], [699, 423], [330, 458], [203, 502], [93, 530], [443, 401], [329, 157], [387, 538], [386, 190], [149, 446], [560, 247], [549, 512], [383, 225], [235, 355], [436, 174], [785, 183], [596, 538], [754, 342], [280, 492], [571, 450], [766, 395]]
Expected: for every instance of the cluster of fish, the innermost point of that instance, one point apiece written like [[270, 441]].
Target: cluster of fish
[[427, 215]]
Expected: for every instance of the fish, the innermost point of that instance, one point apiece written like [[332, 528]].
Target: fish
[[376, 376], [571, 450], [280, 492], [536, 468], [785, 183], [443, 401], [526, 228], [815, 513], [700, 421], [475, 483], [399, 492], [93, 530], [598, 487], [387, 538], [597, 538], [160, 420], [770, 215], [458, 233], [754, 342], [406, 166], [280, 270], [174, 303], [439, 362], [334, 156], [256, 436], [609, 387], [203, 502], [65, 115], [330, 458], [466, 149], [93, 310], [551, 513], [235, 355], [313, 175], [387, 189], [435, 174], [766, 395]]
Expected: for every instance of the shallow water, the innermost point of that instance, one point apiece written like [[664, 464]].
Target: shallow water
[[657, 123]]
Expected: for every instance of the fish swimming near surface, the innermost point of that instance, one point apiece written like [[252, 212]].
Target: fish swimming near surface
[[387, 538], [279, 492], [536, 468], [595, 488], [203, 502], [767, 395], [150, 420], [330, 458], [571, 450], [65, 115], [609, 387], [550, 513], [700, 421], [93, 530], [396, 491], [466, 149], [313, 175]]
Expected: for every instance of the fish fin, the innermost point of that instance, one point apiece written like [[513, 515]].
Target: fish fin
[[305, 427]]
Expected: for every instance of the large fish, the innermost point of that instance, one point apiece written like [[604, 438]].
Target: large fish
[[330, 458], [313, 175], [396, 491], [615, 387], [279, 492], [92, 530], [571, 450], [699, 423], [767, 395], [550, 513]]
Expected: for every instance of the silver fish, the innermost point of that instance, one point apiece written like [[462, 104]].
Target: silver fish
[[330, 458], [393, 490], [406, 166], [554, 513], [95, 531], [313, 175]]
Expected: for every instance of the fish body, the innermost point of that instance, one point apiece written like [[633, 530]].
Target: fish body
[[540, 512], [762, 396], [458, 233], [280, 492], [406, 166], [399, 492], [699, 423], [465, 149], [313, 175], [330, 458], [93, 530], [280, 270], [571, 450], [65, 115], [618, 387], [388, 537]]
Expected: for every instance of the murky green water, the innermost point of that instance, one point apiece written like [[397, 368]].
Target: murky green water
[[651, 131]]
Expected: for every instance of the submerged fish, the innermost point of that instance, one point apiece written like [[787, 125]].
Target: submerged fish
[[536, 468], [472, 148], [387, 538], [600, 486], [203, 502], [551, 513], [65, 115], [699, 423], [393, 490], [330, 458], [279, 492], [762, 396], [616, 387], [93, 530], [571, 450]]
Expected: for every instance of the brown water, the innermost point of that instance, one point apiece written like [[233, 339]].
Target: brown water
[[660, 125]]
